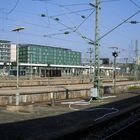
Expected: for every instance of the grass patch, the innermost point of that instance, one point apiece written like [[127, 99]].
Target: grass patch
[[133, 88]]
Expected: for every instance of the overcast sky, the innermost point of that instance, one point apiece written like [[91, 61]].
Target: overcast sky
[[52, 22]]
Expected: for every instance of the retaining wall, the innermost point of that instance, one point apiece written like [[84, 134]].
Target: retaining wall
[[45, 96], [30, 98]]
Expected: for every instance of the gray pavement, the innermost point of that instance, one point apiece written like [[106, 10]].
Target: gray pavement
[[47, 122], [41, 110], [38, 89]]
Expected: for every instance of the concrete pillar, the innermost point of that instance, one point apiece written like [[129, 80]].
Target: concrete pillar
[[17, 98]]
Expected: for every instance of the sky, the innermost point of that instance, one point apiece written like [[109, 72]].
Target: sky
[[52, 22]]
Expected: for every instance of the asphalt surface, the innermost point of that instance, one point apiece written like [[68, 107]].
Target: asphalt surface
[[46, 122]]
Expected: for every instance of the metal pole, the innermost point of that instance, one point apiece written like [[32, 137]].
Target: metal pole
[[96, 57], [31, 66], [17, 57], [114, 75], [136, 61], [90, 65], [115, 54], [17, 52]]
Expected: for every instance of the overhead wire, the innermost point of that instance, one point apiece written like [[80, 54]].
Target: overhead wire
[[81, 16], [15, 20], [34, 24], [27, 22], [84, 20], [135, 3], [9, 12], [119, 25], [109, 1], [40, 35], [54, 34], [75, 29], [78, 32], [67, 40], [119, 33], [46, 8], [78, 4], [47, 16], [72, 12], [68, 17]]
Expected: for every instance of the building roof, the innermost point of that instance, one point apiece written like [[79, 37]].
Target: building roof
[[47, 47], [5, 41]]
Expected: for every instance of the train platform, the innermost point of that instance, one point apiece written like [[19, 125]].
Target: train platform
[[50, 122], [37, 89]]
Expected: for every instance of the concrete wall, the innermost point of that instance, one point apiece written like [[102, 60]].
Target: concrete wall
[[30, 98], [45, 82], [119, 88]]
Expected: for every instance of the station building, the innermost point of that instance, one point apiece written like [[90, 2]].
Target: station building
[[47, 60], [42, 61], [39, 60], [40, 54]]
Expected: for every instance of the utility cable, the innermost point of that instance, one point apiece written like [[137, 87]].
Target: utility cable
[[135, 4], [73, 30], [9, 12], [30, 23], [78, 32], [39, 35], [119, 25], [46, 8], [84, 20], [85, 103], [79, 4], [81, 102], [72, 12], [76, 28], [108, 1]]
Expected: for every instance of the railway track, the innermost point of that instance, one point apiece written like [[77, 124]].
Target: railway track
[[129, 131], [114, 128], [75, 125]]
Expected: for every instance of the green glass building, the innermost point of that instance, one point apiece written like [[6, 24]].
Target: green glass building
[[41, 54]]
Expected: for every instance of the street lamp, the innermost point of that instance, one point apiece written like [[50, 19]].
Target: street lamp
[[18, 29]]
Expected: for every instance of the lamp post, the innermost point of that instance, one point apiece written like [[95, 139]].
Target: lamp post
[[18, 29]]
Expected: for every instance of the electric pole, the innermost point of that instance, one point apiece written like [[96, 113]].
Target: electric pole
[[115, 54], [136, 61], [91, 64], [96, 53]]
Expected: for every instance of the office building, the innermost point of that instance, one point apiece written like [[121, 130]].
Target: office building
[[40, 54]]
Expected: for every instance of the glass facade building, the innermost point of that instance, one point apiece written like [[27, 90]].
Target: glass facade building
[[40, 54]]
